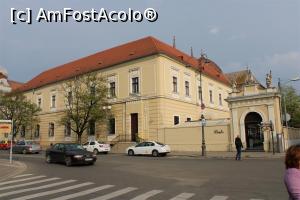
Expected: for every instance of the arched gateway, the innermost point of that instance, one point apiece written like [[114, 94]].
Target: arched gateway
[[251, 104], [253, 133]]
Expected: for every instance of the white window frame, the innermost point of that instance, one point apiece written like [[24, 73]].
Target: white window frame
[[53, 93], [187, 77], [175, 73], [110, 79], [37, 101], [135, 73]]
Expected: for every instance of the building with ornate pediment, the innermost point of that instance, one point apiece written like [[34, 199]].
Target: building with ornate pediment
[[158, 92]]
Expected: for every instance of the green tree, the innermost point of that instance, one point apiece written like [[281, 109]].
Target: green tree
[[292, 102], [85, 97], [15, 106]]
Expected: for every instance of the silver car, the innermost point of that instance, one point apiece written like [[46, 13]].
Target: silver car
[[26, 146]]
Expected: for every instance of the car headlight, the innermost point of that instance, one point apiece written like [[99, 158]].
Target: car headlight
[[94, 155], [78, 156]]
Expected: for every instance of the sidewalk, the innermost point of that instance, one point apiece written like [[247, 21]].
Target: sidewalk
[[230, 155], [8, 170]]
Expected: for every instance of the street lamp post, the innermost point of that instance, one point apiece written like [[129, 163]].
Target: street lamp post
[[203, 146], [202, 106]]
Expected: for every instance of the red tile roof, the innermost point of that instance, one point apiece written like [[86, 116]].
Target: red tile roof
[[117, 55], [14, 84]]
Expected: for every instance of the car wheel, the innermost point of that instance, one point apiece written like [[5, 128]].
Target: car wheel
[[24, 151], [130, 152], [105, 152], [48, 159], [155, 153], [95, 152], [68, 161]]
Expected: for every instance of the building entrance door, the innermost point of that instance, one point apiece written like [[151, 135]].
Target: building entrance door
[[134, 126], [254, 135]]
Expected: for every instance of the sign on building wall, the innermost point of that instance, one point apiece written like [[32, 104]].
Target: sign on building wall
[[5, 126]]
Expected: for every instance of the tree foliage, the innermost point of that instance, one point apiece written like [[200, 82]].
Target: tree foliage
[[15, 106], [292, 102], [85, 97]]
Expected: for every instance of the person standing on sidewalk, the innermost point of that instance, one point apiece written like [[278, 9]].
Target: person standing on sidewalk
[[238, 146], [292, 173]]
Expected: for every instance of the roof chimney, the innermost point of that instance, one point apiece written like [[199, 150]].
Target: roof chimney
[[174, 41], [192, 53]]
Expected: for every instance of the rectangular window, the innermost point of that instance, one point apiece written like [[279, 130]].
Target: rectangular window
[[135, 85], [70, 98], [53, 101], [51, 130], [39, 102], [220, 100], [211, 96], [176, 120], [92, 127], [22, 131], [200, 93], [175, 90], [37, 131], [93, 90], [187, 88], [112, 125], [68, 129], [112, 89], [188, 119]]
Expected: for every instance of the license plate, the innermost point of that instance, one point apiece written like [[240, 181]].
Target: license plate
[[88, 159]]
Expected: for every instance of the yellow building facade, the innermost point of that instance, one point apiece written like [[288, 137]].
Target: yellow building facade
[[155, 87]]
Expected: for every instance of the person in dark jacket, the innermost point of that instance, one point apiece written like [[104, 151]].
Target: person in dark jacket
[[238, 146]]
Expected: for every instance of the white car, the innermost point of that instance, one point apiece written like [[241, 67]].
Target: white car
[[96, 147], [149, 148]]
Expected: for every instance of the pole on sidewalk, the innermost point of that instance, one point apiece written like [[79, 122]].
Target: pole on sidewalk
[[11, 141]]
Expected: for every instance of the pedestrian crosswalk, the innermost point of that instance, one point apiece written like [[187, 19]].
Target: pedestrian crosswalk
[[30, 186]]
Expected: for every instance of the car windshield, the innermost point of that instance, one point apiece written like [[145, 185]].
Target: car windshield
[[73, 146], [160, 143], [31, 142]]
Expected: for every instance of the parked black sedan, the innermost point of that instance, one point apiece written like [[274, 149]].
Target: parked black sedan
[[70, 154]]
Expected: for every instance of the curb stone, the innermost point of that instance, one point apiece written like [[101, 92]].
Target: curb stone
[[14, 169]]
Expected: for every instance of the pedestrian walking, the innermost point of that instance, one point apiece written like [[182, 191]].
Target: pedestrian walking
[[292, 173], [238, 146]]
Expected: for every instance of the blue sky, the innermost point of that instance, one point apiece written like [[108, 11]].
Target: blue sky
[[261, 34]]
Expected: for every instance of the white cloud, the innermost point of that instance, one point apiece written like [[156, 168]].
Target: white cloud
[[288, 59], [214, 30]]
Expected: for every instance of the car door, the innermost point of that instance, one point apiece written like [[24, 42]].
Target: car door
[[20, 146], [139, 148], [91, 146], [56, 153]]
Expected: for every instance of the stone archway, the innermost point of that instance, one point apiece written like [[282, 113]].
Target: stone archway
[[254, 137]]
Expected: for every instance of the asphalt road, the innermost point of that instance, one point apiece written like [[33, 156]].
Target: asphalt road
[[161, 178]]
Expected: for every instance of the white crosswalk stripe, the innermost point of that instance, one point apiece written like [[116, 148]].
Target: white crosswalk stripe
[[52, 191], [20, 180], [219, 198], [147, 195], [29, 183], [85, 192], [23, 175], [35, 188], [183, 196], [115, 194]]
